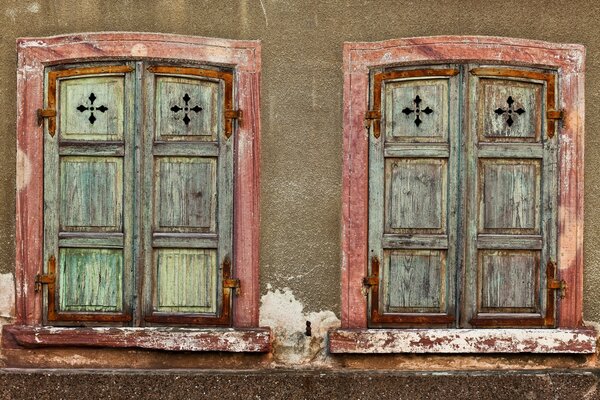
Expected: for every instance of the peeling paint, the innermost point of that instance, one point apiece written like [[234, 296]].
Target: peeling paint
[[12, 12], [139, 50], [7, 296], [23, 170], [286, 316]]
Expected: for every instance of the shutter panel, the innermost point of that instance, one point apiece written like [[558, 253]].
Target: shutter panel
[[512, 205], [413, 181], [188, 188], [88, 194]]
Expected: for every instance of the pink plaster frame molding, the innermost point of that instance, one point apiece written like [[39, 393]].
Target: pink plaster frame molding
[[359, 58], [35, 54]]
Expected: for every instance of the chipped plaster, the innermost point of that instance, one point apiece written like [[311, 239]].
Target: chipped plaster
[[286, 316]]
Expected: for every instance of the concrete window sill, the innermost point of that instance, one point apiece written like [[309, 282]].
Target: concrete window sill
[[237, 340], [456, 341]]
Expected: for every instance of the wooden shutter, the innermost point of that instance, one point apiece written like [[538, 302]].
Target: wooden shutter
[[413, 181], [88, 193], [512, 198], [188, 189]]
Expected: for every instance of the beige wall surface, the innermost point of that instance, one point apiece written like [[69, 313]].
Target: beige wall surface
[[301, 110]]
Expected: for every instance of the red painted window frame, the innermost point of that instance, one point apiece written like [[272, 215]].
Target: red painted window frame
[[359, 58], [34, 54]]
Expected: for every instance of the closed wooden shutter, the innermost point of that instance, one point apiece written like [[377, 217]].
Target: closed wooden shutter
[[88, 192], [413, 181], [462, 197], [512, 201], [188, 195]]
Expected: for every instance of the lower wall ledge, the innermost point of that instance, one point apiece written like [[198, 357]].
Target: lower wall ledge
[[456, 341], [238, 340]]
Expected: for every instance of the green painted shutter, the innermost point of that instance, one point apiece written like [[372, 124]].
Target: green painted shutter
[[413, 181], [187, 188], [512, 201], [88, 183]]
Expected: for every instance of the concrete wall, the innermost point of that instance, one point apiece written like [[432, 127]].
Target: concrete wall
[[302, 134]]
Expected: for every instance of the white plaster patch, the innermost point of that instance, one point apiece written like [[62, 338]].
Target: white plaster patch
[[33, 7], [139, 50], [281, 311], [12, 12], [7, 296], [23, 170]]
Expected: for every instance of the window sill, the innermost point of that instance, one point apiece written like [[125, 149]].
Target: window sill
[[237, 340], [456, 341]]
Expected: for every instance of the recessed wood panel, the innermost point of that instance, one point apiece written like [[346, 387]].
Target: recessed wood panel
[[414, 281], [416, 110], [186, 194], [187, 109], [90, 280], [509, 196], [415, 195], [509, 281], [186, 280], [91, 194], [92, 108], [510, 110]]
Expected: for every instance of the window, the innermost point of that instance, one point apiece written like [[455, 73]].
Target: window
[[462, 205], [147, 175]]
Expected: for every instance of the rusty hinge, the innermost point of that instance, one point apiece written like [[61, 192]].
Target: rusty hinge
[[555, 284], [373, 279], [553, 115], [45, 279], [43, 113], [228, 281], [230, 115], [232, 283], [370, 117]]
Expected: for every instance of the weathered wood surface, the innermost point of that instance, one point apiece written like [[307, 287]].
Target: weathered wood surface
[[359, 58], [186, 280], [90, 280], [413, 196], [254, 340], [415, 281], [456, 341], [35, 53]]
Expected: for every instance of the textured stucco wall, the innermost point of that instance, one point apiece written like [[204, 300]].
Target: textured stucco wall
[[302, 112]]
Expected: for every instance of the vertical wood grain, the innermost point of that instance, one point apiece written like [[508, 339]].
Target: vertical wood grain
[[91, 280], [186, 280]]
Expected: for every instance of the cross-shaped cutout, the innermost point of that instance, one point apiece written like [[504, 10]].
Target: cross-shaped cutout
[[186, 108], [92, 108], [417, 110], [509, 111]]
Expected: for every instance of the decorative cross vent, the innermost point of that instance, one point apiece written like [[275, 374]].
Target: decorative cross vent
[[509, 111], [417, 110], [186, 109], [92, 108]]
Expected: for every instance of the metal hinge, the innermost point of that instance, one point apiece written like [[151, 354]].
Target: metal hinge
[[45, 279], [555, 284], [232, 283], [368, 282], [230, 115], [43, 113], [561, 286], [554, 115], [228, 281], [373, 279], [370, 117]]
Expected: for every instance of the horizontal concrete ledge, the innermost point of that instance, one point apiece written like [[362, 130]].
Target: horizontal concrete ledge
[[456, 341], [71, 384], [238, 340]]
